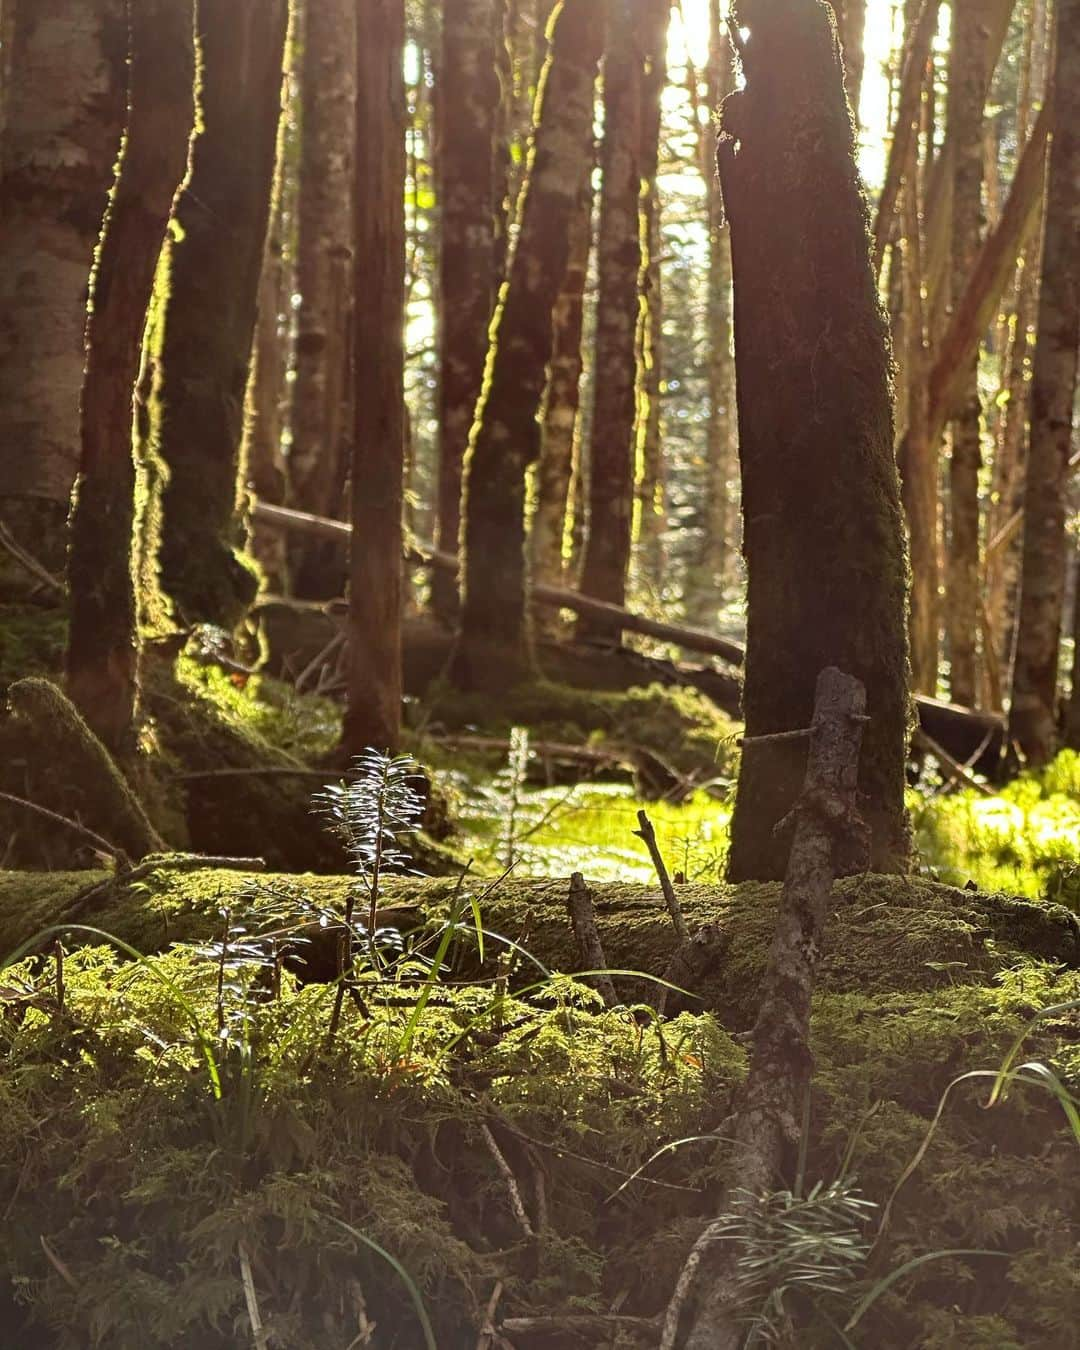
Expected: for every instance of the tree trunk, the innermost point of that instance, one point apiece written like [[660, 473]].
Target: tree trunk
[[965, 130], [851, 25], [1033, 716], [611, 459], [705, 586], [373, 711], [823, 531], [561, 425], [64, 120], [469, 97], [103, 638], [209, 325], [1072, 708], [495, 649], [324, 259]]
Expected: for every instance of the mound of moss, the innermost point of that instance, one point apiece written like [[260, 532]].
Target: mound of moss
[[166, 1129]]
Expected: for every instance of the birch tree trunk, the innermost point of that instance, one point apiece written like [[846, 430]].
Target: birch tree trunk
[[824, 536], [324, 262], [1033, 714], [209, 325], [65, 103], [103, 637], [494, 651], [373, 711], [469, 97], [611, 458]]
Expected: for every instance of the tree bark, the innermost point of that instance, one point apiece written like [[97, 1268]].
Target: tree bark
[[64, 116], [494, 650], [823, 531], [1033, 714], [561, 424], [615, 368], [1072, 708], [103, 638], [851, 25], [966, 95], [373, 711], [324, 262], [209, 325], [469, 96]]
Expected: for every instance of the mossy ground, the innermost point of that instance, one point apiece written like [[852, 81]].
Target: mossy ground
[[143, 1184]]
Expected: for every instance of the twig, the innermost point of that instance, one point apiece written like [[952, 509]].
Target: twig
[[487, 1327], [802, 734], [955, 768], [11, 545], [318, 661], [581, 1322], [102, 845], [646, 832], [258, 1331], [583, 919], [271, 771], [504, 1167]]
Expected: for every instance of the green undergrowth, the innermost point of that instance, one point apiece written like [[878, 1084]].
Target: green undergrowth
[[1025, 839], [172, 1117]]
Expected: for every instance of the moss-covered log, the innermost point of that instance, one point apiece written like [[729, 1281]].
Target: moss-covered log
[[885, 935]]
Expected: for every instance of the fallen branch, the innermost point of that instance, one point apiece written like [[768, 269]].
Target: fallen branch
[[91, 836], [583, 1323], [954, 767], [29, 563], [648, 834], [579, 903], [516, 1202]]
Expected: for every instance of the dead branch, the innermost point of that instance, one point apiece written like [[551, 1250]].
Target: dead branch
[[29, 563], [516, 1203], [955, 769], [91, 836], [646, 832], [579, 903]]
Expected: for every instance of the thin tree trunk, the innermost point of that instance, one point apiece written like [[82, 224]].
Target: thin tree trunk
[[1033, 715], [373, 712], [611, 461], [1072, 708], [469, 97], [103, 638], [562, 409], [494, 650], [64, 118], [823, 529], [966, 96], [209, 326], [324, 262]]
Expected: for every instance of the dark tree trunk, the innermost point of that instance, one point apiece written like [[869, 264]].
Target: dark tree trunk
[[1072, 708], [495, 648], [965, 130], [373, 713], [611, 457], [851, 24], [562, 408], [469, 97], [823, 532], [1033, 717], [64, 115], [324, 262], [209, 326], [103, 640]]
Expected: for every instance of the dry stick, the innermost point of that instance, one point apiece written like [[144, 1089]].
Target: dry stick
[[581, 1322], [769, 1124], [583, 918], [487, 1327], [648, 834], [27, 560], [91, 836], [955, 768], [1012, 526], [516, 1203], [258, 1331]]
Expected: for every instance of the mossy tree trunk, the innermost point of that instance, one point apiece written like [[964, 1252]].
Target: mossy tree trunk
[[64, 116], [209, 324], [324, 262], [469, 101], [615, 366], [1033, 715], [494, 651], [964, 114], [103, 639], [823, 532], [373, 713], [559, 438]]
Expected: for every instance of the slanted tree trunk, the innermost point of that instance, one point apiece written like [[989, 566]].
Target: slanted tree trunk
[[1033, 715], [965, 129], [64, 117], [611, 458], [823, 531], [103, 638], [324, 260], [494, 650], [469, 98], [562, 409], [373, 712], [209, 325]]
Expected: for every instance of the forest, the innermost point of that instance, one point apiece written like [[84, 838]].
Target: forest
[[540, 674]]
